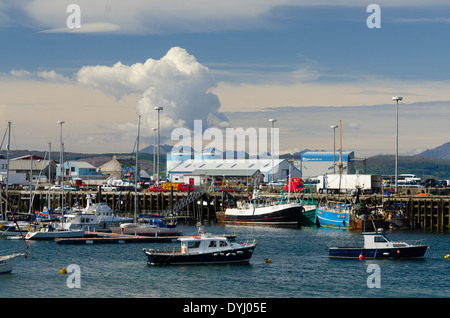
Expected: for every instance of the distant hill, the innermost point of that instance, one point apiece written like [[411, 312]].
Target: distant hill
[[422, 167], [441, 152]]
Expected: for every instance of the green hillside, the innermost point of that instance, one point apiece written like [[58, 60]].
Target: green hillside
[[422, 167]]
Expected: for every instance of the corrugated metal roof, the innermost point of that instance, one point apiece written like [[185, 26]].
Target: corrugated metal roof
[[228, 172], [263, 165]]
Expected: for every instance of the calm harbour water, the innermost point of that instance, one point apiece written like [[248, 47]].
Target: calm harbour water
[[300, 268]]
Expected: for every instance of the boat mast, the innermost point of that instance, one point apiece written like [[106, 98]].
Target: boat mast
[[7, 159], [137, 171], [340, 157], [61, 166], [49, 178]]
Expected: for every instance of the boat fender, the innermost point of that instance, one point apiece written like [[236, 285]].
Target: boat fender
[[398, 251], [361, 257]]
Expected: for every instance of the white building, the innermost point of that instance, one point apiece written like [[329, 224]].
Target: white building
[[236, 169]]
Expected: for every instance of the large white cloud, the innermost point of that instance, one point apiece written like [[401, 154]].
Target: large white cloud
[[177, 82]]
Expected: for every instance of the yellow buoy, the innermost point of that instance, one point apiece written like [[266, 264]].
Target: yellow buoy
[[268, 261], [447, 256], [63, 271]]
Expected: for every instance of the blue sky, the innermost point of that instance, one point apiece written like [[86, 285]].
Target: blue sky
[[307, 63]]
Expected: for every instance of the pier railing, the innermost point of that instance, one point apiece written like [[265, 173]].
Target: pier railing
[[188, 199]]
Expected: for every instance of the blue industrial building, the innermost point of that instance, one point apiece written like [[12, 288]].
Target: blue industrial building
[[317, 163]]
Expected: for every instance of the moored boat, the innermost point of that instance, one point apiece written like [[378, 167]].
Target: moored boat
[[203, 249], [154, 227], [260, 210], [95, 216], [7, 262], [378, 245], [50, 232]]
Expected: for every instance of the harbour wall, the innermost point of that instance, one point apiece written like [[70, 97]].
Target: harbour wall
[[429, 212]]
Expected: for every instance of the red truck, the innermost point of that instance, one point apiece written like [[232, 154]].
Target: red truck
[[296, 185]]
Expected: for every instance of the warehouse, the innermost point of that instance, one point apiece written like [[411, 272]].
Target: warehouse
[[237, 170]]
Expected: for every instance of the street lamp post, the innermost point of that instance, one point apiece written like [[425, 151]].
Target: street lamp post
[[154, 151], [396, 143], [334, 147], [157, 166], [273, 121]]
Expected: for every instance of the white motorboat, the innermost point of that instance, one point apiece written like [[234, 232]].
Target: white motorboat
[[154, 227], [13, 229], [96, 216], [7, 262], [50, 232]]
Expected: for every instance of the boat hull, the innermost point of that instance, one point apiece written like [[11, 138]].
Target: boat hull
[[239, 255], [334, 219], [146, 231], [309, 216], [7, 262], [51, 235], [289, 214], [392, 252]]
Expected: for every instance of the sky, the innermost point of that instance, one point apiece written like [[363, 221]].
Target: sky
[[99, 65]]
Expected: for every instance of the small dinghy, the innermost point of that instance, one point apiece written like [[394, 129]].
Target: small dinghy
[[378, 245]]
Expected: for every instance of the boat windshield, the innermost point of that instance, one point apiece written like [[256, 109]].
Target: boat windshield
[[193, 244], [381, 239]]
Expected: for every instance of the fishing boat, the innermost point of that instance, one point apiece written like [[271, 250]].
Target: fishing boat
[[264, 211], [95, 216], [378, 245], [203, 249], [261, 210], [335, 215], [7, 262]]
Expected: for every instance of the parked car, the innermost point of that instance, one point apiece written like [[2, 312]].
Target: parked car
[[229, 189], [185, 187], [156, 189], [108, 188], [70, 188]]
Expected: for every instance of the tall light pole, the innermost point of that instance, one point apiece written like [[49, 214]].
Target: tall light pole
[[396, 144], [157, 166], [273, 121], [334, 147], [61, 164], [154, 151]]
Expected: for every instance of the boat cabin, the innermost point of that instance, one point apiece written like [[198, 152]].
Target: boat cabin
[[379, 240], [200, 244]]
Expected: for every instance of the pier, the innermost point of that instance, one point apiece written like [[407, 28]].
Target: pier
[[430, 212]]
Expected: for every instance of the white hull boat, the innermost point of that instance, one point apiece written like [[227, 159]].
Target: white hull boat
[[96, 216], [47, 234], [7, 262]]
